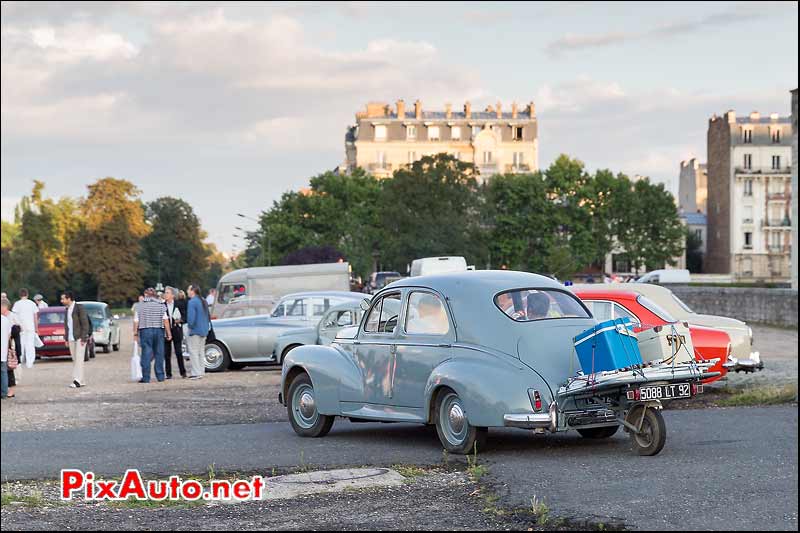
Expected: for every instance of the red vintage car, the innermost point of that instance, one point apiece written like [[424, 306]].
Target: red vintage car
[[708, 343], [51, 331]]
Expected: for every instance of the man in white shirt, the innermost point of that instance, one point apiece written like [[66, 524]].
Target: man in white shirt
[[212, 296], [39, 301], [28, 315]]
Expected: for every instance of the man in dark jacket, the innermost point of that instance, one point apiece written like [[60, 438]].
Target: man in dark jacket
[[77, 330], [176, 312]]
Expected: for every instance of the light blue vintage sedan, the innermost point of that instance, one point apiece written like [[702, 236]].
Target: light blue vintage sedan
[[473, 350]]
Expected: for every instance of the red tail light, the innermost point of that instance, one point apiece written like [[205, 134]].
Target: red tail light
[[537, 401], [697, 388]]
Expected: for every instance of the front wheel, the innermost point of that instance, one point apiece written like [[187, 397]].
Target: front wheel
[[302, 407], [652, 435], [216, 357], [455, 432]]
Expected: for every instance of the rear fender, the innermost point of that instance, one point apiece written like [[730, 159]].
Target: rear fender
[[489, 388]]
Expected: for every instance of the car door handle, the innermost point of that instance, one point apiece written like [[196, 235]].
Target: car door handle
[[444, 345]]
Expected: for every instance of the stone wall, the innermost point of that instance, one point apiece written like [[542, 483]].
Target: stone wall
[[769, 306]]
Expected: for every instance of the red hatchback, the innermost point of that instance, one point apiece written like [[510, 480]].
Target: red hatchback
[[708, 343], [51, 331]]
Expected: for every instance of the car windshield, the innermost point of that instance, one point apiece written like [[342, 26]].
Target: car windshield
[[51, 318], [654, 308], [94, 312], [527, 305], [682, 304]]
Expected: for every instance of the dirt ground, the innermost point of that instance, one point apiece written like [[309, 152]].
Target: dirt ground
[[45, 401]]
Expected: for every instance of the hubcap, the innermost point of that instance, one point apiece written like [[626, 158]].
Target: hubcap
[[304, 406], [645, 437], [213, 356], [453, 420]]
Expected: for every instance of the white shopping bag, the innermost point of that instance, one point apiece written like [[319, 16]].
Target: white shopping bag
[[37, 341], [136, 363]]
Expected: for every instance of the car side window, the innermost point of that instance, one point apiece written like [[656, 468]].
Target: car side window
[[384, 315], [230, 291], [600, 310], [621, 312], [426, 315], [296, 308]]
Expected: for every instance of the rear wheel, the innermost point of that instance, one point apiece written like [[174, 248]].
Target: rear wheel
[[598, 433], [107, 345], [652, 435], [217, 358], [302, 408], [455, 432]]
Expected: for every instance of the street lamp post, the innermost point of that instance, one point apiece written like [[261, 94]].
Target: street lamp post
[[269, 240]]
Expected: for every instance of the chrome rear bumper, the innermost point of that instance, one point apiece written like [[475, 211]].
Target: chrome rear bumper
[[533, 420]]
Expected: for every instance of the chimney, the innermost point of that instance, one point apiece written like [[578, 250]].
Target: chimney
[[755, 116], [467, 110], [531, 110], [499, 110], [418, 109], [513, 110], [448, 111], [377, 109], [730, 116], [773, 117], [401, 109]]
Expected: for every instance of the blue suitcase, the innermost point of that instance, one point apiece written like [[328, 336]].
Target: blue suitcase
[[610, 345]]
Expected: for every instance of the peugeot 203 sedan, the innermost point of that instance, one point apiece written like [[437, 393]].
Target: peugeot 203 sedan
[[251, 339], [473, 350]]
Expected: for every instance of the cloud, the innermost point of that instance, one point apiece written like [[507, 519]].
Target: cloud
[[572, 42]]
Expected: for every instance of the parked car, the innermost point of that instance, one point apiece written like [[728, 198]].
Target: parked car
[[251, 339], [741, 335], [335, 320], [249, 306], [106, 331], [378, 280], [708, 343], [278, 281], [449, 350], [52, 333], [666, 275], [437, 265]]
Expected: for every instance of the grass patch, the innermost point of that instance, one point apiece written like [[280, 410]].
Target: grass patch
[[409, 472], [476, 471], [34, 499], [540, 510], [760, 396]]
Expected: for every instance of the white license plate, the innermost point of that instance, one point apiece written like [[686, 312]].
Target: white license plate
[[665, 392], [53, 338]]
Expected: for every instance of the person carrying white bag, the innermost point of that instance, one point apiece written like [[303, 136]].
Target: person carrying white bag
[[136, 357]]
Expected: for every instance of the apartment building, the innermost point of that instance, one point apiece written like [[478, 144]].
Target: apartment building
[[794, 189], [692, 187], [385, 139], [749, 196]]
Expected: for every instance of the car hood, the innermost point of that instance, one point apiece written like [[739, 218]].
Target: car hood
[[713, 321], [739, 332]]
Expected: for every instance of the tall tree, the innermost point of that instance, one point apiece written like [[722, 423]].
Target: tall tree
[[108, 245], [173, 251], [431, 208]]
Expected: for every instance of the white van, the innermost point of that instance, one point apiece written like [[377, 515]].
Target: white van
[[272, 283], [438, 265], [663, 276]]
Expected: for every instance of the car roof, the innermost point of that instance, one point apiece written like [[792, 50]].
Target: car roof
[[53, 309], [340, 294], [90, 302], [488, 282], [609, 295]]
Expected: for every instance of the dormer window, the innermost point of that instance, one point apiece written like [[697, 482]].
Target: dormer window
[[433, 133], [411, 132], [776, 135], [380, 132], [516, 133], [747, 136], [455, 133]]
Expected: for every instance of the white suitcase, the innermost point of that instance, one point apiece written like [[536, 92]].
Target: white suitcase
[[666, 344]]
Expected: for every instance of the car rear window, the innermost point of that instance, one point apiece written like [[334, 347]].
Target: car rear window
[[654, 308], [528, 305], [51, 318]]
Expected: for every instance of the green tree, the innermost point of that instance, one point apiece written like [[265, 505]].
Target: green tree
[[694, 252], [649, 229], [107, 247], [173, 250], [431, 208]]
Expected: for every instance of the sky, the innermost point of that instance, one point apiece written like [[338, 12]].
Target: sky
[[228, 105]]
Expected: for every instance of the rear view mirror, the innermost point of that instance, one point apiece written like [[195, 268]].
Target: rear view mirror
[[364, 304]]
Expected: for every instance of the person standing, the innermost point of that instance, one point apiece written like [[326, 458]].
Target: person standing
[[212, 297], [176, 316], [199, 324], [28, 315], [5, 310], [39, 301], [149, 327], [5, 335], [77, 331]]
